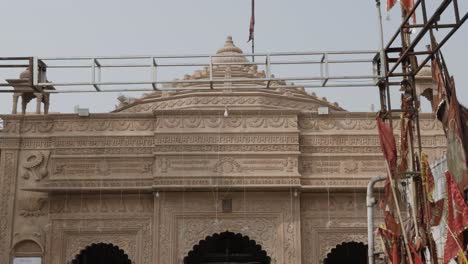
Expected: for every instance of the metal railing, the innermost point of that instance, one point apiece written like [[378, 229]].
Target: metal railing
[[318, 69]]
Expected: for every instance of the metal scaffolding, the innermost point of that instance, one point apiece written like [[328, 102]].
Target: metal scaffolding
[[322, 69]]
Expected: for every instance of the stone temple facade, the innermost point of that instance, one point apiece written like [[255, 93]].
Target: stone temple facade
[[163, 174]]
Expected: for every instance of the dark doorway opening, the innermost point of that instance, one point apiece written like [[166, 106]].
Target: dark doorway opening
[[227, 248], [102, 253], [348, 252]]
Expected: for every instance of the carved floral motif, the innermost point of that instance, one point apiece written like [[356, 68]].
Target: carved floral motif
[[35, 165], [32, 206]]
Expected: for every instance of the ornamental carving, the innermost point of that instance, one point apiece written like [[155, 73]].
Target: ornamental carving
[[227, 165], [260, 229], [227, 122], [35, 165], [32, 206], [333, 238], [103, 167], [267, 219], [7, 181], [350, 122], [133, 235], [118, 205], [215, 165]]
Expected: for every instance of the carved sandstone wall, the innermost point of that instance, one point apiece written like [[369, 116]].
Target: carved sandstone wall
[[95, 179]]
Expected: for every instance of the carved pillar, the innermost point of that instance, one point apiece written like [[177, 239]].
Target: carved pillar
[[8, 172], [156, 220]]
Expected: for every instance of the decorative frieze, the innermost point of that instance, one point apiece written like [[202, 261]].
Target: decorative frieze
[[80, 185], [170, 139], [74, 125], [351, 122], [225, 166], [101, 167], [75, 206], [338, 165], [227, 182], [231, 122]]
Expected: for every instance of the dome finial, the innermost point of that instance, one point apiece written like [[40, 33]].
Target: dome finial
[[229, 47]]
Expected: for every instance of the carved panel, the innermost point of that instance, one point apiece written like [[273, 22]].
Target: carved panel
[[226, 166], [8, 160], [34, 165], [343, 166], [32, 206], [77, 206], [101, 167]]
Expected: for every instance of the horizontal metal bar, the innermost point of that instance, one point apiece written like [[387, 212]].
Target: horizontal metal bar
[[434, 26], [150, 89], [13, 65], [214, 56], [15, 58]]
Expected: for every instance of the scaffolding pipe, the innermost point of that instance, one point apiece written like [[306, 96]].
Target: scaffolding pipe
[[370, 201]]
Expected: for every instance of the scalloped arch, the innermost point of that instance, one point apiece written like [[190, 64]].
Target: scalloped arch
[[342, 251], [101, 253], [239, 248]]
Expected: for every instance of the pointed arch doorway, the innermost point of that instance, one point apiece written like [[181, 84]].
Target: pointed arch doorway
[[102, 253], [227, 248]]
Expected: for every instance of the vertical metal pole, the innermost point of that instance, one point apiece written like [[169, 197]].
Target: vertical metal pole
[[35, 71], [211, 72], [383, 63], [268, 70], [253, 49], [153, 73], [370, 201]]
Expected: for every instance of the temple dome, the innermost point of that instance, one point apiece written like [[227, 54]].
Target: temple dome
[[225, 94]]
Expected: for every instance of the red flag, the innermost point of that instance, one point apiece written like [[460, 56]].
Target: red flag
[[391, 244], [435, 212], [387, 143], [457, 219], [439, 94], [416, 258], [252, 22], [456, 141], [390, 4]]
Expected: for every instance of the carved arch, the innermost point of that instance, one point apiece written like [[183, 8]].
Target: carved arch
[[351, 252], [101, 253], [337, 239], [27, 247], [227, 247]]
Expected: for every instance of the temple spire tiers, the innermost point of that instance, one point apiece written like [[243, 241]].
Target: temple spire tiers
[[229, 63]]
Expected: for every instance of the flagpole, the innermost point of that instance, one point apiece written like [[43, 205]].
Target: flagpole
[[253, 49], [395, 200]]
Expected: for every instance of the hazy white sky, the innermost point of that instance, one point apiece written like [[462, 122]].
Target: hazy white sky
[[148, 27]]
